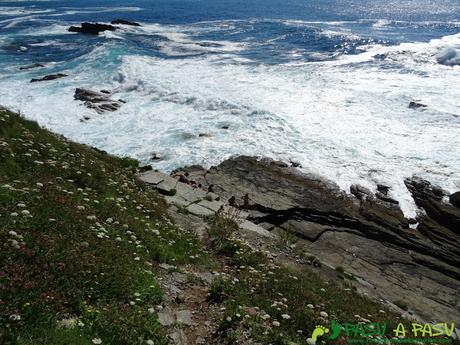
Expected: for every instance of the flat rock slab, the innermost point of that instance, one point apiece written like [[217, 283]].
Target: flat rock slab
[[153, 177], [212, 205], [235, 212], [166, 318], [200, 211], [184, 317], [177, 201], [179, 338], [246, 225]]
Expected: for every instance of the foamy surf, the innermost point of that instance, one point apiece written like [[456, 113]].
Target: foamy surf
[[342, 112]]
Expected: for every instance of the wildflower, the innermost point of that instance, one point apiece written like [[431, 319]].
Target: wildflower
[[13, 233], [150, 342], [229, 319], [286, 316], [25, 213], [323, 314], [21, 205], [97, 341], [15, 317], [14, 214], [151, 310], [39, 184], [276, 323]]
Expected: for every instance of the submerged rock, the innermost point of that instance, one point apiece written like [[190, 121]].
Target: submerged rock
[[49, 77], [124, 22], [34, 65], [92, 28], [98, 101], [416, 105]]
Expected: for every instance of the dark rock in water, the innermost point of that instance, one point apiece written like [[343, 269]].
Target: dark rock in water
[[455, 199], [380, 56], [370, 239], [156, 157], [412, 221], [92, 28], [124, 22], [204, 135], [280, 164], [49, 77], [360, 192], [34, 65], [98, 101], [427, 197], [106, 92], [295, 164], [225, 127], [383, 189], [416, 105]]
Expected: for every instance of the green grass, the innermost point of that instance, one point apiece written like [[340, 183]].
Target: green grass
[[80, 240], [260, 287]]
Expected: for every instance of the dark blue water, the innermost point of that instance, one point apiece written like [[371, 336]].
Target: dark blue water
[[261, 21]]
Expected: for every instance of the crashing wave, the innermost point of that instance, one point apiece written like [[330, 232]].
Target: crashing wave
[[448, 56]]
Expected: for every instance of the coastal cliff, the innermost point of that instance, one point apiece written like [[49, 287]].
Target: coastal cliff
[[92, 255]]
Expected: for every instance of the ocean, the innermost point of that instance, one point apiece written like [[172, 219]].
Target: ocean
[[325, 83]]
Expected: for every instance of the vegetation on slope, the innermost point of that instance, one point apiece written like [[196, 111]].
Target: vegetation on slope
[[81, 242]]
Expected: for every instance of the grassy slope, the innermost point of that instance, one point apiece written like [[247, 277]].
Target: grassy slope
[[80, 243]]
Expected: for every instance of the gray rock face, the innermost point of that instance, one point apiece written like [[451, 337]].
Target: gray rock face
[[99, 101], [367, 235]]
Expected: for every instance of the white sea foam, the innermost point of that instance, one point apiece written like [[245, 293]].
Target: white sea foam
[[449, 56], [347, 120]]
